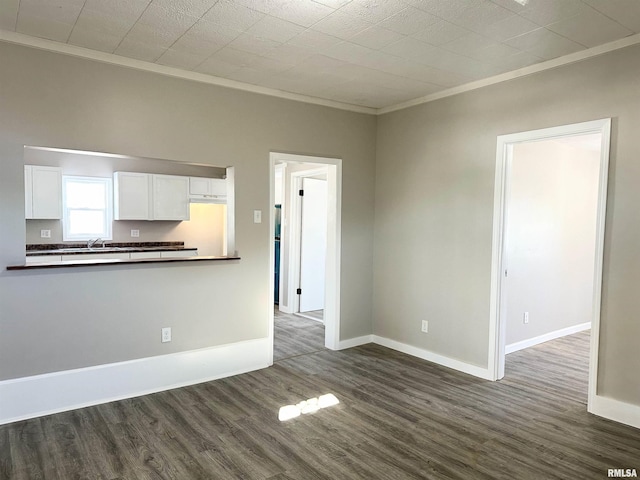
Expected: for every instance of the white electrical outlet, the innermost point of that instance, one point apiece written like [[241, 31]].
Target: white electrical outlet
[[425, 326], [166, 334], [45, 233], [525, 318], [257, 216], [135, 233]]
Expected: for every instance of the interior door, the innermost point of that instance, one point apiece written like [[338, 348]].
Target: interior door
[[313, 244]]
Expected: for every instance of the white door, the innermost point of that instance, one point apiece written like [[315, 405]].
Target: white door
[[313, 244]]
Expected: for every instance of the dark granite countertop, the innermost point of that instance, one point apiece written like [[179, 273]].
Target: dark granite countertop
[[112, 247]]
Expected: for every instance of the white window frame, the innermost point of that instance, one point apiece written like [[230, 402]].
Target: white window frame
[[108, 223]]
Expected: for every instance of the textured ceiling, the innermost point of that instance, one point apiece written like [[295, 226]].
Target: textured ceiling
[[372, 53]]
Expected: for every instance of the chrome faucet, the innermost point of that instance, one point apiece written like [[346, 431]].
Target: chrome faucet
[[92, 243]]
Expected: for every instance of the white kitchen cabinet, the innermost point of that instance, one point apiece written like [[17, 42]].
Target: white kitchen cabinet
[[170, 197], [210, 190], [42, 192], [138, 255], [179, 254], [43, 259], [96, 256], [132, 196]]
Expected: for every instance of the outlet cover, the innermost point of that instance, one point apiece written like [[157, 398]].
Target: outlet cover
[[135, 233], [525, 317], [425, 326], [45, 233], [166, 334], [257, 216]]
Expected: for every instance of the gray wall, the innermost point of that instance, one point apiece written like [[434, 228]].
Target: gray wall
[[550, 237], [63, 319], [434, 208]]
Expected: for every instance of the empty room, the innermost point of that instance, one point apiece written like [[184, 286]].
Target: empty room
[[319, 239]]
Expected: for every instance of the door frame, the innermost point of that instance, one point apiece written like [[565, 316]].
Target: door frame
[[295, 231], [504, 157], [334, 243]]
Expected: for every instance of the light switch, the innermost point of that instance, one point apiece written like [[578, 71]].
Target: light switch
[[257, 216]]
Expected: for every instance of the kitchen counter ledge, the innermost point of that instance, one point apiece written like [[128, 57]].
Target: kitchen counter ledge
[[98, 262]]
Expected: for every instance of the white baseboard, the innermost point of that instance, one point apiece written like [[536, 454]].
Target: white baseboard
[[615, 410], [430, 356], [285, 309], [530, 342], [355, 342], [49, 393]]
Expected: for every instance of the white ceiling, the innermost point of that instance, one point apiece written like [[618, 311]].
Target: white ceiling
[[369, 53]]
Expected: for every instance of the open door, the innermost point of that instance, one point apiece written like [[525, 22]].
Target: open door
[[313, 244]]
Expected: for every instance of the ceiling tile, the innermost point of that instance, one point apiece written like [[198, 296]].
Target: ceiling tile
[[380, 61], [205, 38], [544, 12], [249, 75], [512, 5], [275, 29], [192, 8], [494, 53], [150, 35], [625, 12], [9, 14], [409, 21], [478, 17], [234, 56], [312, 39], [232, 14], [94, 39], [440, 32], [257, 45], [333, 3], [56, 10], [373, 11], [428, 74], [271, 65], [468, 44], [520, 60], [409, 47], [544, 44], [445, 9], [508, 28], [139, 50], [347, 51], [43, 28], [169, 23], [290, 53], [376, 37], [302, 12], [187, 61], [102, 22], [217, 67], [590, 29], [263, 6], [341, 25], [124, 9]]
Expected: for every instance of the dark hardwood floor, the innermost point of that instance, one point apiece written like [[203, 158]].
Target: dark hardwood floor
[[398, 418], [295, 335]]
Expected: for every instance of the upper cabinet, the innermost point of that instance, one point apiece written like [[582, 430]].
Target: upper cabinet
[[145, 196], [43, 192], [170, 197], [132, 196], [209, 190]]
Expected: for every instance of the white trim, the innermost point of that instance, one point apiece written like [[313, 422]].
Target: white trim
[[355, 342], [50, 393], [497, 327], [110, 58], [430, 356], [334, 240], [530, 342], [522, 72], [72, 50], [615, 410]]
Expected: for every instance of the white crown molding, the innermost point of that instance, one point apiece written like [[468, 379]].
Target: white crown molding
[[522, 72], [74, 51]]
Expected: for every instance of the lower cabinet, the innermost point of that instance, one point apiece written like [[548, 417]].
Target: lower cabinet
[[110, 256], [179, 254], [96, 256], [44, 259]]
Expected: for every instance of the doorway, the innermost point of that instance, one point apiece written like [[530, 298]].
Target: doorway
[[309, 257], [507, 147]]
